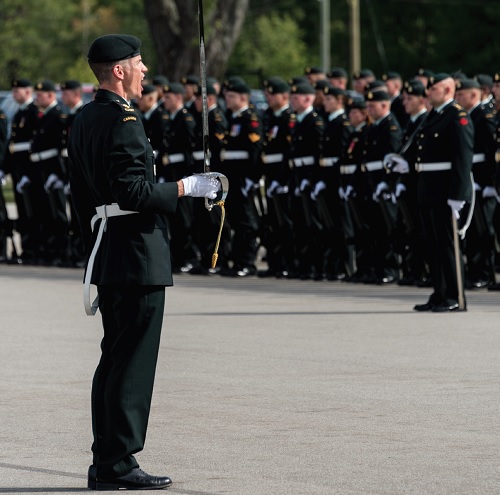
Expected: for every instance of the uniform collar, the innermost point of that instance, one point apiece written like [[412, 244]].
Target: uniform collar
[[239, 112], [335, 114], [445, 104], [302, 116]]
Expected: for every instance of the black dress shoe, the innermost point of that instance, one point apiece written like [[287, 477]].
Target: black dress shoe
[[137, 479], [423, 307], [494, 287], [444, 308]]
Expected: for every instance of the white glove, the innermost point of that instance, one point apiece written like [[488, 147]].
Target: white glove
[[23, 184], [317, 189], [2, 177], [160, 180], [249, 184], [282, 190], [67, 189], [400, 188], [53, 182], [489, 192], [396, 163], [272, 187], [201, 186], [381, 187], [456, 206], [345, 193], [305, 183], [477, 187]]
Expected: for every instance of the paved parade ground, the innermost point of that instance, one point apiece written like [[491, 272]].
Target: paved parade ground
[[264, 387]]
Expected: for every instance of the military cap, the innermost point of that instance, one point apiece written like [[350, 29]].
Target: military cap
[[275, 85], [238, 86], [356, 103], [458, 75], [160, 80], [212, 80], [298, 80], [113, 47], [147, 89], [376, 85], [377, 96], [363, 73], [313, 70], [337, 72], [210, 89], [175, 88], [468, 84], [437, 78], [45, 86], [424, 72], [303, 88], [321, 85], [71, 84], [414, 87], [391, 76], [191, 79], [484, 80], [233, 80], [21, 83], [330, 90]]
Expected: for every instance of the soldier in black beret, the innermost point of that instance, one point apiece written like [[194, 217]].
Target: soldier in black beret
[[486, 83], [190, 84], [423, 75], [394, 86], [360, 79], [444, 159], [480, 245], [5, 223], [314, 74], [113, 185]]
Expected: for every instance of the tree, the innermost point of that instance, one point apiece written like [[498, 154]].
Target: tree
[[174, 30]]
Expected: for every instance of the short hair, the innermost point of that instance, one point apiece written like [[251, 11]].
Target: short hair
[[103, 70]]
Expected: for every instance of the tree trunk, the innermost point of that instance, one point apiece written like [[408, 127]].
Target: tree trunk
[[175, 33]]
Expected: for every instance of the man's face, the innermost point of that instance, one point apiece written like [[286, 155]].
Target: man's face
[[438, 93], [331, 103], [338, 82], [172, 101], [133, 72], [70, 97], [21, 95], [376, 109], [356, 116], [44, 98], [146, 102], [300, 103], [234, 101], [412, 103], [496, 90], [360, 84]]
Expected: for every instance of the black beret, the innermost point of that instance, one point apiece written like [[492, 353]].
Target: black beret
[[113, 47], [303, 88], [275, 85], [71, 84], [45, 86], [437, 78], [212, 80], [363, 73], [484, 80], [175, 88], [237, 85], [210, 89], [330, 90], [424, 72], [321, 85], [313, 70], [233, 80], [376, 85], [298, 80], [337, 72], [356, 103], [191, 79], [21, 83], [459, 75], [391, 75], [160, 80], [147, 89], [377, 96], [414, 87], [468, 84]]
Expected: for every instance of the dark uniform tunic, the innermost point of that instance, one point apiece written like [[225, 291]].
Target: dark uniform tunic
[[445, 140], [111, 161], [5, 226]]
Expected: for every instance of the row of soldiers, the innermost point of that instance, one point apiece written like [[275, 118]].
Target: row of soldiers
[[307, 175]]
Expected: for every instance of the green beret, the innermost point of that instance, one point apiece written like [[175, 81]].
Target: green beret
[[275, 85], [175, 88], [484, 80], [362, 74], [46, 86], [113, 47], [377, 96], [414, 87], [337, 73], [468, 84], [321, 85], [356, 103], [376, 85], [298, 80], [21, 83], [391, 76], [210, 90], [313, 70], [191, 79], [238, 86], [160, 80], [437, 78], [147, 89], [71, 84], [330, 90], [425, 72], [303, 88]]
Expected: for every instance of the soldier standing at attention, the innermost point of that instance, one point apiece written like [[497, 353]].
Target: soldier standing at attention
[[4, 219], [113, 184], [444, 159]]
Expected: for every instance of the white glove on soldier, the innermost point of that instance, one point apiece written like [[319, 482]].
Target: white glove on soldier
[[489, 192], [249, 184], [201, 186], [317, 189], [381, 187], [23, 184], [400, 188], [456, 206], [53, 182], [2, 177], [396, 163]]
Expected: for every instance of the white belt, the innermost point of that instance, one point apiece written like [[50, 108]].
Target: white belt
[[15, 147], [329, 161], [234, 155], [432, 167], [64, 152], [173, 158], [372, 166], [304, 160], [104, 212], [348, 169], [44, 155], [198, 155], [273, 158], [478, 158]]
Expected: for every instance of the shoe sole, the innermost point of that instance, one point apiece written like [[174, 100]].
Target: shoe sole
[[108, 487]]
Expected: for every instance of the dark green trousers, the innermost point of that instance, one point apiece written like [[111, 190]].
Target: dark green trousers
[[123, 381]]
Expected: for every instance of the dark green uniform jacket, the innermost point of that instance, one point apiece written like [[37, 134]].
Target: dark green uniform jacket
[[111, 161]]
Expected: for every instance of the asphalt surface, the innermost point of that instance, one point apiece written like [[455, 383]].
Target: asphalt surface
[[264, 387]]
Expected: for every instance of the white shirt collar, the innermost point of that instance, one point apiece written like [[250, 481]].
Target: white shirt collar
[[239, 112], [447, 102], [301, 116], [335, 114], [414, 118]]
